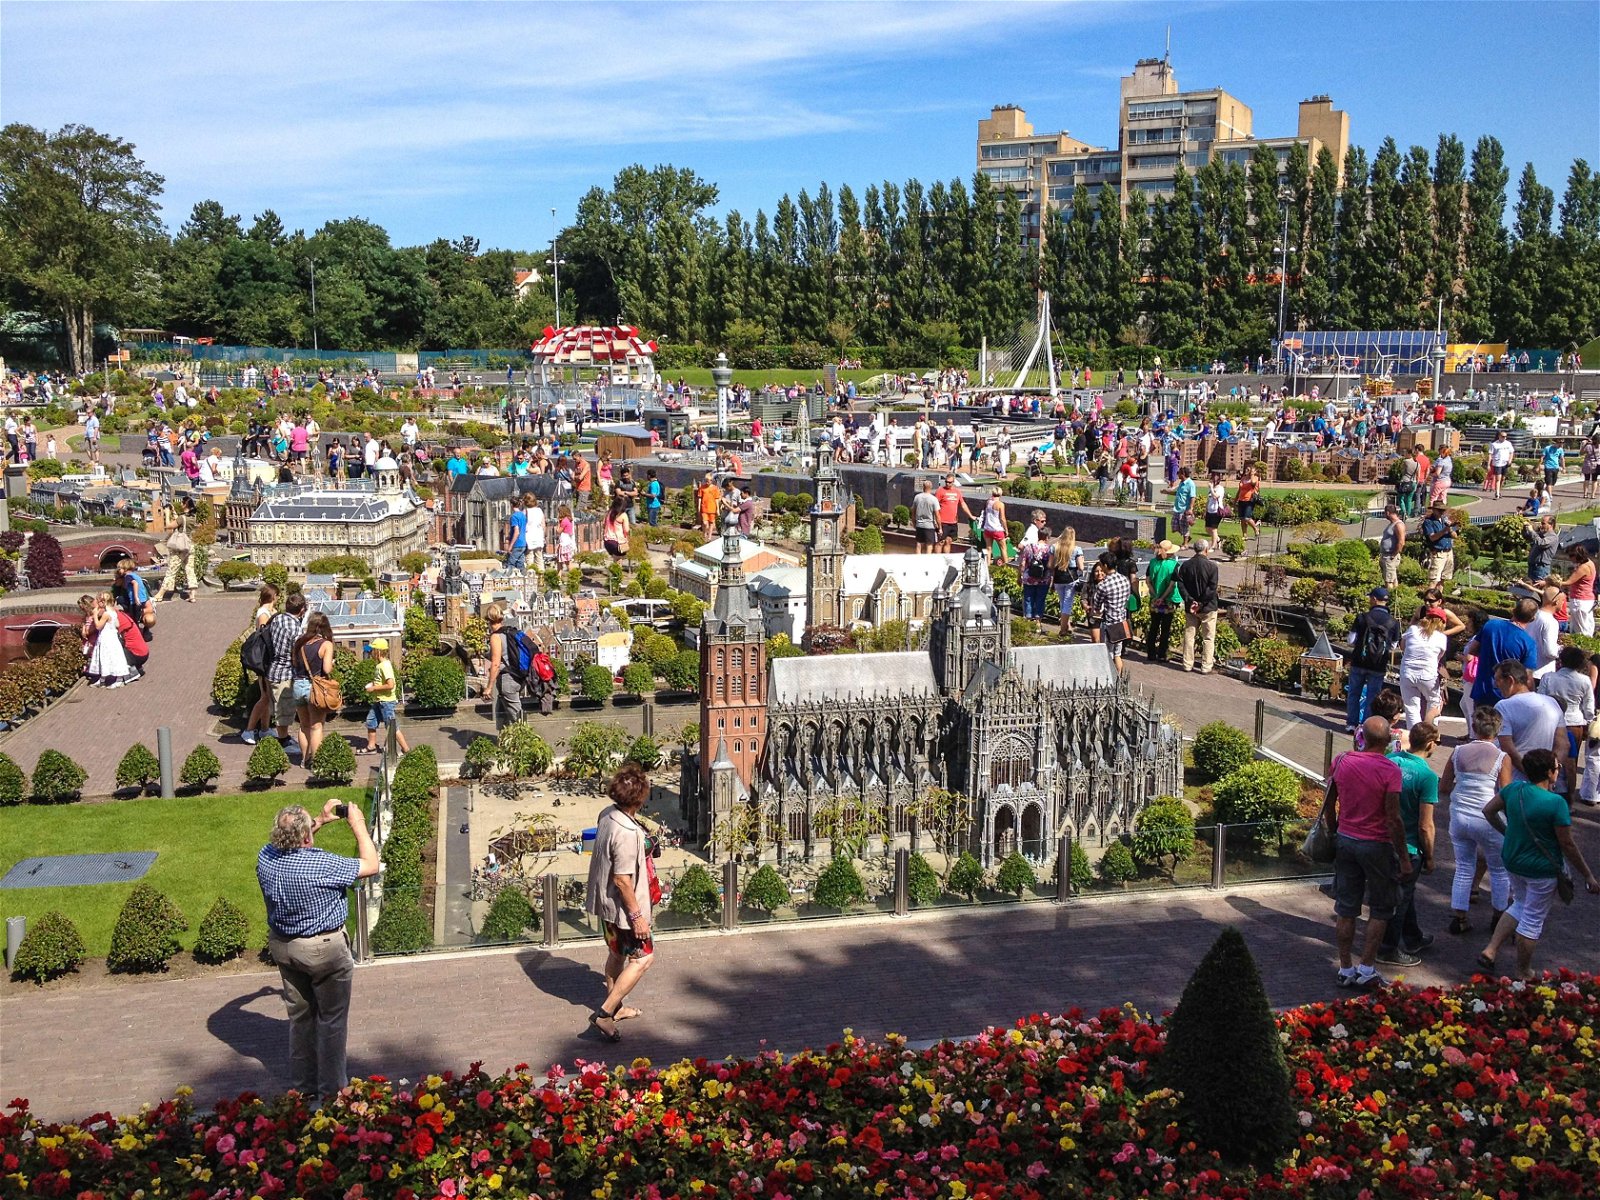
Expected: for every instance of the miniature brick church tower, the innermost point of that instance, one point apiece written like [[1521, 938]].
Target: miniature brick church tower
[[733, 685], [825, 557]]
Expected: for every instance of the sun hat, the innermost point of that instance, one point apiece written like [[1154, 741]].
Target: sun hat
[[378, 644]]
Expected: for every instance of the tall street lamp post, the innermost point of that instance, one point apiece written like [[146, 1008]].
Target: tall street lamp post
[[1283, 265], [312, 263], [722, 376], [555, 266]]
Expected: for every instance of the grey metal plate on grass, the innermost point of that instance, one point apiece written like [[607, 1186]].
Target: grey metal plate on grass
[[73, 870]]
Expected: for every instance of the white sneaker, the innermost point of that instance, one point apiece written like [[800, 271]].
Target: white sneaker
[[117, 684], [248, 737]]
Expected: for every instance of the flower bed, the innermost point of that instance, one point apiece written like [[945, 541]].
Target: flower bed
[[1488, 1089]]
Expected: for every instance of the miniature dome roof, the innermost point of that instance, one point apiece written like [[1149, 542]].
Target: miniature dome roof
[[386, 464]]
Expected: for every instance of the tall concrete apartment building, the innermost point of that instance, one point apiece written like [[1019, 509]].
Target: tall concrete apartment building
[[1158, 127]]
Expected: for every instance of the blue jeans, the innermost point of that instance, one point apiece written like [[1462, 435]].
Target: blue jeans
[[517, 559], [1359, 691], [1033, 596], [380, 713]]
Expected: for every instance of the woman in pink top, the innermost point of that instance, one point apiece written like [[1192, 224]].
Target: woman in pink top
[[604, 473], [1579, 587], [299, 442]]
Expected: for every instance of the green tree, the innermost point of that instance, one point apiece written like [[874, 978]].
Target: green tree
[[1486, 244], [1449, 225], [1225, 1060], [78, 220], [1522, 297], [1349, 307], [594, 748], [1413, 289], [1317, 245], [1573, 289], [1379, 291], [1175, 265]]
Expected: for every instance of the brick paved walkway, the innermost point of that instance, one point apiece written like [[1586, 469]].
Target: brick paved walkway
[[114, 1046]]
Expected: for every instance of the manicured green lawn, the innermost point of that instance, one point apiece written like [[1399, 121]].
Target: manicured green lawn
[[1581, 517], [206, 847]]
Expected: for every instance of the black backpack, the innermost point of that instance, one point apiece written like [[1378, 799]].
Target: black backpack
[[256, 652]]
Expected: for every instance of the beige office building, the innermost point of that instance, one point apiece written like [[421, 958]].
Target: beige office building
[[1158, 126]]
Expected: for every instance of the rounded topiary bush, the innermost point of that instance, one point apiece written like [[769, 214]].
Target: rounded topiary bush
[[200, 768], [1163, 834], [440, 682], [766, 889], [839, 886], [638, 678], [595, 683], [1257, 792], [146, 933], [334, 762], [1015, 874], [1117, 865], [510, 915], [922, 882], [403, 927], [13, 783], [1220, 748], [696, 894], [1225, 1061], [228, 682], [51, 947], [139, 768], [268, 761], [56, 777], [645, 751], [222, 932], [966, 877]]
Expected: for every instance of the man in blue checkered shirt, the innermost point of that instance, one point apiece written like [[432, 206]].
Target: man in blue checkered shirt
[[306, 894]]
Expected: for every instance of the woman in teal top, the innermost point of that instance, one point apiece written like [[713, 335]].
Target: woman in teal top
[[1538, 829]]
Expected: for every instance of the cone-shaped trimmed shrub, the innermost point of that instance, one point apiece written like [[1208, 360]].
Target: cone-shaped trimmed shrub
[[510, 916], [839, 886], [334, 761], [222, 932], [268, 760], [696, 894], [1015, 874], [922, 882], [1117, 865], [966, 876], [1224, 1057], [146, 933], [139, 768], [13, 783], [200, 768], [52, 946], [766, 889], [56, 777]]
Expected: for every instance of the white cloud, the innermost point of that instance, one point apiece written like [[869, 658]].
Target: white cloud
[[295, 100]]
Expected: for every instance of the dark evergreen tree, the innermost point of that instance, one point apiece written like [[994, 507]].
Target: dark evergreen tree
[[1347, 280], [1175, 266], [1449, 226], [1224, 1058], [1573, 289], [1522, 315], [1486, 247], [1317, 251], [1377, 286], [1115, 299]]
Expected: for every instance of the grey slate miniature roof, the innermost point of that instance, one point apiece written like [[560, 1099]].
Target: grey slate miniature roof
[[836, 677], [1084, 664]]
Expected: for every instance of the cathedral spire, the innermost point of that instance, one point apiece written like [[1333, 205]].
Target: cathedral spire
[[732, 603]]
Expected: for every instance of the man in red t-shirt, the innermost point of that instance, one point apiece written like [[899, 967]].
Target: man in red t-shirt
[[1362, 811], [951, 505]]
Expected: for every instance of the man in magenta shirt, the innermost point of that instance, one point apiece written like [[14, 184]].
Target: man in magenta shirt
[[1362, 810]]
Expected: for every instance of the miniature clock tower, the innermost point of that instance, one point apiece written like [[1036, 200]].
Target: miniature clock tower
[[733, 685], [825, 558]]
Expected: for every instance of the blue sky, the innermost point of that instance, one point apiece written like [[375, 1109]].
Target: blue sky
[[478, 118]]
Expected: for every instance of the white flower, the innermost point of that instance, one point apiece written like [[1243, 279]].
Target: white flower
[[925, 1120], [1478, 1006], [1420, 1155], [907, 1070], [1339, 1031], [1305, 1120], [1402, 1065]]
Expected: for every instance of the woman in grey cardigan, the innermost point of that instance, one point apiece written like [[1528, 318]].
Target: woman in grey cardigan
[[619, 895]]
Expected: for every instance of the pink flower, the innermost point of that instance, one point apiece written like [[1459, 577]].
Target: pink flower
[[1037, 1170], [447, 1188], [1127, 1154], [226, 1143]]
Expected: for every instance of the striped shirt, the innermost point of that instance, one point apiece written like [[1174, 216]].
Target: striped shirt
[[305, 889]]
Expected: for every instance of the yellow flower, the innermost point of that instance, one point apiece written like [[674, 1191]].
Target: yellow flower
[[425, 1101], [712, 1088], [1522, 1162], [495, 1181], [432, 1082], [958, 1190], [126, 1142], [1067, 1143], [1015, 1037]]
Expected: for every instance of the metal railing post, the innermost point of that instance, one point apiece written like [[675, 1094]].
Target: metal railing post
[[363, 947], [1327, 754], [902, 881], [1219, 850], [552, 911], [164, 757], [1064, 869], [730, 895], [1261, 722]]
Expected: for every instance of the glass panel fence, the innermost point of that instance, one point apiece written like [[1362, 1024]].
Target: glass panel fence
[[1269, 850], [1294, 739]]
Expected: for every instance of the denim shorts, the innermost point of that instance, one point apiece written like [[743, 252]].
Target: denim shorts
[[1365, 870], [381, 713]]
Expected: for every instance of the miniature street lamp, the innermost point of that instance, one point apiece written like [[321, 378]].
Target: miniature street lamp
[[722, 376]]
